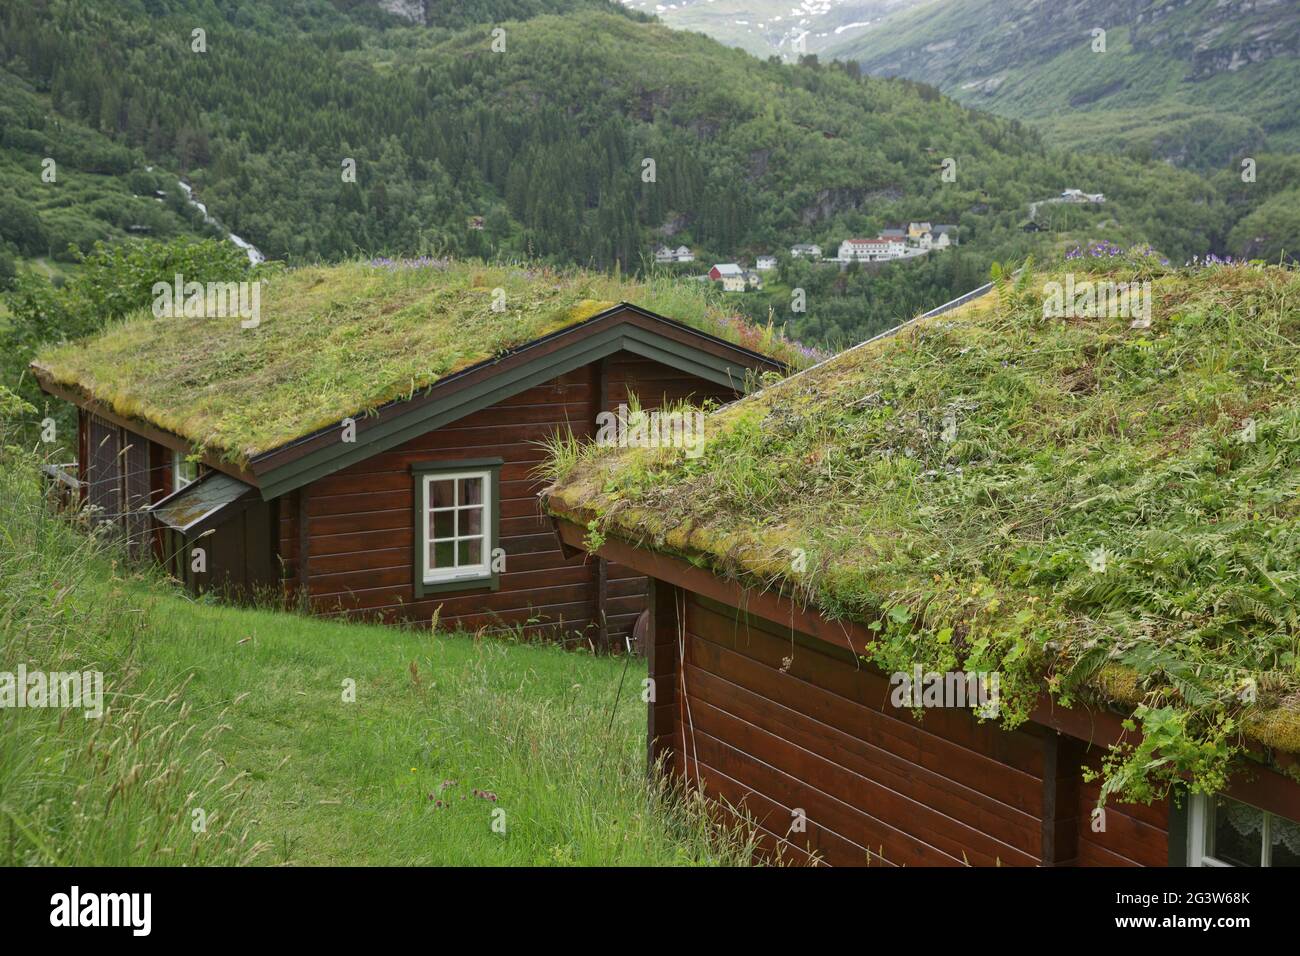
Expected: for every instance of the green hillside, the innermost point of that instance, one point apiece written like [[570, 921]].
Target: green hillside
[[227, 737], [1199, 83], [581, 135], [67, 185]]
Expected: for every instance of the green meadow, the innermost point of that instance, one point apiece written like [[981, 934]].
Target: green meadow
[[254, 736]]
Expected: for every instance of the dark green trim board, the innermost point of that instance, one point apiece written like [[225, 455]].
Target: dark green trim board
[[419, 471], [1178, 817], [381, 436], [714, 360], [685, 360]]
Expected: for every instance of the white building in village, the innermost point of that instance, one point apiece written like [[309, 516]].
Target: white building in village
[[871, 250], [665, 256]]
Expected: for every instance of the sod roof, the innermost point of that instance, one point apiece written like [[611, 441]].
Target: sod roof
[[339, 341], [1114, 511]]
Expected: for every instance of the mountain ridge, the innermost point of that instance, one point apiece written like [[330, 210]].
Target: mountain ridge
[[1164, 75]]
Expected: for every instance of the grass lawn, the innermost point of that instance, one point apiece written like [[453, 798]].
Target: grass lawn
[[392, 777], [227, 739]]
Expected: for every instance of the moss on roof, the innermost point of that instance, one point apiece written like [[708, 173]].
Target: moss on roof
[[1081, 505], [338, 341]]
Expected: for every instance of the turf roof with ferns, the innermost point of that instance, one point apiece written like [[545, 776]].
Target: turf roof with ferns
[[339, 341], [1084, 506]]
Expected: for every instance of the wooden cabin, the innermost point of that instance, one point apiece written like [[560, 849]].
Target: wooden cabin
[[405, 508], [765, 693]]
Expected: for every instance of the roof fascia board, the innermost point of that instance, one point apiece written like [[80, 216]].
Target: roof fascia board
[[383, 435], [379, 436], [623, 316], [719, 343], [507, 377], [669, 353]]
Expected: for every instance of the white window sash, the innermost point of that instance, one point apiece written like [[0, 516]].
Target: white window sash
[[179, 480], [467, 572], [1200, 824]]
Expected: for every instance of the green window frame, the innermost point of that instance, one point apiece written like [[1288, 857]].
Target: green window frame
[[457, 531]]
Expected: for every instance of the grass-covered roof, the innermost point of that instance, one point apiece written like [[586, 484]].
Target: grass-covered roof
[[338, 341], [1079, 504]]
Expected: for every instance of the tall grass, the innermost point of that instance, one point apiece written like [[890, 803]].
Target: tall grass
[[237, 712], [92, 791]]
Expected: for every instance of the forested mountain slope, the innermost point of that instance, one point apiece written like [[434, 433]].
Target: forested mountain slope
[[583, 133], [1198, 82], [63, 184]]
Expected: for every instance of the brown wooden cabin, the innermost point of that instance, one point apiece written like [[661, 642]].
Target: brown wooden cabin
[[766, 706], [342, 527]]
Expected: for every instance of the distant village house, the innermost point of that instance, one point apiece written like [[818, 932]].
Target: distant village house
[[667, 256], [730, 275], [944, 235]]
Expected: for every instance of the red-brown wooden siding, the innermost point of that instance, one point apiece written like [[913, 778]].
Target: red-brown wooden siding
[[655, 386], [770, 709], [125, 472], [359, 519], [774, 721], [770, 721], [1130, 834]]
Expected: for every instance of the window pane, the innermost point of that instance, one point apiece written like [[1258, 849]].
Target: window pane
[[1285, 836], [471, 491], [471, 552], [1238, 833], [441, 524], [471, 521], [441, 493], [185, 472], [443, 554]]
